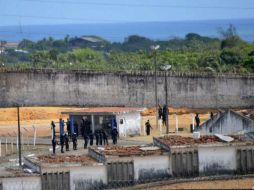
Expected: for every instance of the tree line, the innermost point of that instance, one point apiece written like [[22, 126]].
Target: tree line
[[194, 52]]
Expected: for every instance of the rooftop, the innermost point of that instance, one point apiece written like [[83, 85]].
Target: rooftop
[[60, 159], [6, 172], [170, 141], [110, 152], [57, 163], [93, 39], [106, 110]]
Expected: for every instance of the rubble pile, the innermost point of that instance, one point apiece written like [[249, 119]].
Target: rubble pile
[[123, 151], [84, 160], [178, 140]]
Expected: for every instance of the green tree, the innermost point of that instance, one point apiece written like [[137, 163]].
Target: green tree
[[231, 56]]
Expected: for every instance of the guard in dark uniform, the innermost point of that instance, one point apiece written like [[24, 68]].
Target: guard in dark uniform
[[114, 134], [53, 128], [74, 141], [97, 137], [66, 142], [62, 134], [86, 130], [148, 127], [164, 115], [91, 138], [197, 119], [68, 123], [105, 137]]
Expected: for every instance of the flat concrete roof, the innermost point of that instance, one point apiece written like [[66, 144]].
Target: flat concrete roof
[[103, 110], [59, 159], [127, 151], [58, 163], [204, 141], [14, 172]]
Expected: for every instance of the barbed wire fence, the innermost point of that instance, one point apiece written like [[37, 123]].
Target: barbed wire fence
[[9, 144]]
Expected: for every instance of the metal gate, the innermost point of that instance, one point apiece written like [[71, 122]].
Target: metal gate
[[120, 173], [55, 181], [185, 164], [245, 161]]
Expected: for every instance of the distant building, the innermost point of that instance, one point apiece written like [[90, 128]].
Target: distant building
[[21, 51], [87, 41], [7, 45], [128, 119], [11, 45], [228, 123]]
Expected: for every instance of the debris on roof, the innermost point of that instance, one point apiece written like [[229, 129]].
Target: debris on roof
[[124, 151], [57, 159], [104, 110], [178, 140]]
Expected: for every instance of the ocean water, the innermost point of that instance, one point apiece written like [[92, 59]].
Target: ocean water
[[117, 32]]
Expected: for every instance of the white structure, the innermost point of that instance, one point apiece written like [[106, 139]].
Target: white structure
[[227, 123], [129, 120]]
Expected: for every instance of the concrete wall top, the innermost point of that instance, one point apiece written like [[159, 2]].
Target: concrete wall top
[[183, 148], [130, 88], [133, 73]]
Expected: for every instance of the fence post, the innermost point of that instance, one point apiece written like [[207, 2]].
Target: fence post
[[160, 125], [0, 148], [176, 118], [17, 143], [193, 124], [144, 130], [22, 142], [11, 145], [34, 135], [6, 147], [26, 137]]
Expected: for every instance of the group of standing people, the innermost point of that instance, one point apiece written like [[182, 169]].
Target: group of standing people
[[163, 113], [101, 135], [64, 137]]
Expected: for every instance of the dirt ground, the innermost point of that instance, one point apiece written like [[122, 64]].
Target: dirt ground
[[40, 117], [217, 184]]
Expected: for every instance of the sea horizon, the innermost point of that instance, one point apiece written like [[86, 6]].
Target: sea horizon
[[117, 32]]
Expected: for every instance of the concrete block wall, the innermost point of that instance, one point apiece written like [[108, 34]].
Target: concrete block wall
[[88, 177], [131, 123], [184, 163], [152, 167], [216, 160], [90, 88], [228, 123], [24, 183]]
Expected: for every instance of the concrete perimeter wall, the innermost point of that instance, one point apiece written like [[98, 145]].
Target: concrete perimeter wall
[[87, 88]]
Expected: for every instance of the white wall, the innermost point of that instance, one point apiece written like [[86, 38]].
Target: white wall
[[146, 167], [229, 123], [215, 160], [21, 183], [131, 124], [88, 176]]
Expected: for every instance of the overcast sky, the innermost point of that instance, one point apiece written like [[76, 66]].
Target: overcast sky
[[30, 12]]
